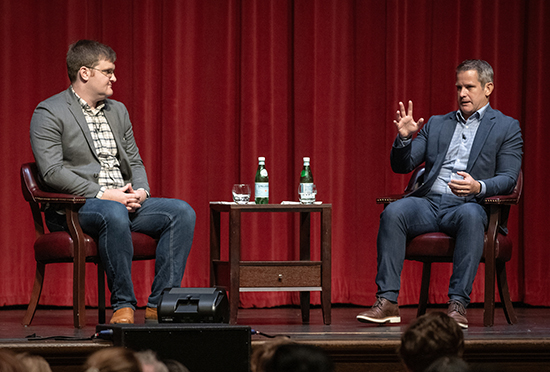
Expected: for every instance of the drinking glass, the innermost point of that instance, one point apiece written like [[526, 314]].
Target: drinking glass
[[241, 193]]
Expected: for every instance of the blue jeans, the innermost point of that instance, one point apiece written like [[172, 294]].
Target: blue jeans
[[409, 217], [171, 221]]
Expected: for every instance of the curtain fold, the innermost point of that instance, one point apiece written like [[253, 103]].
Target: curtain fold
[[213, 85]]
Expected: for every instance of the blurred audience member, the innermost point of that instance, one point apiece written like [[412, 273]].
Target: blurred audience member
[[9, 362], [449, 364], [150, 362], [299, 358], [428, 338], [265, 351], [175, 366], [113, 359], [34, 363]]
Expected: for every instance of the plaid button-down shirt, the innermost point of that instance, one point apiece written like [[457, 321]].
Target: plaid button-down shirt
[[110, 176]]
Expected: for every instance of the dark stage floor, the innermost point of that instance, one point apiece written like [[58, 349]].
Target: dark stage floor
[[532, 323], [353, 345]]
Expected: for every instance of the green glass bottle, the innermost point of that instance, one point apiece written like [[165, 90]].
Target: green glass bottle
[[306, 190], [261, 183]]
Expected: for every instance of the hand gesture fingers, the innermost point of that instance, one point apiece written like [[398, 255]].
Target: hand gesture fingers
[[404, 121]]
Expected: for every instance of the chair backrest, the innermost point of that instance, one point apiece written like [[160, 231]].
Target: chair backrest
[[30, 187], [416, 179]]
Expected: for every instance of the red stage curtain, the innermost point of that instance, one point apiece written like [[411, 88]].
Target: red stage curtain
[[212, 85]]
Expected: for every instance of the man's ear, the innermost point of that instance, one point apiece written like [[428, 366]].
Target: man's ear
[[489, 89], [84, 73]]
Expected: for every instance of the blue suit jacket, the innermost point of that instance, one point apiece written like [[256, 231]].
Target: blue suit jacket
[[495, 157], [64, 150]]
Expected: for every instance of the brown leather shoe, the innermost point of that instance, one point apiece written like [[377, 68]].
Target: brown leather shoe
[[381, 312], [457, 311], [123, 316], [151, 315]]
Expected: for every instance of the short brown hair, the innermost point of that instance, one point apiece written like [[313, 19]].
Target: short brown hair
[[113, 359], [485, 73], [9, 362], [428, 338], [87, 53]]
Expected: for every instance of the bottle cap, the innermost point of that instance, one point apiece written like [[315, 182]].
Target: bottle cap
[[306, 160], [261, 158]]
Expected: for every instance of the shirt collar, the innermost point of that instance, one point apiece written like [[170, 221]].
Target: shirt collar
[[476, 115], [85, 105]]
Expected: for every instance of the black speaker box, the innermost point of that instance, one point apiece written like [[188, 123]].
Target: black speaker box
[[193, 305], [200, 347]]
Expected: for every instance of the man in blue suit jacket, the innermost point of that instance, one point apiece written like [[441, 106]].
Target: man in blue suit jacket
[[469, 154], [83, 144]]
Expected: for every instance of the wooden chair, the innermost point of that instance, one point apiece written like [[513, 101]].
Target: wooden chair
[[73, 247], [439, 247]]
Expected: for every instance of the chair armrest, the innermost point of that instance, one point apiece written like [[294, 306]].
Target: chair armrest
[[497, 199], [511, 199], [389, 198], [57, 198]]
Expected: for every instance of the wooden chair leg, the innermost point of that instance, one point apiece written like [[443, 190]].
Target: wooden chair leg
[[424, 289], [35, 295], [100, 294], [489, 306], [502, 283]]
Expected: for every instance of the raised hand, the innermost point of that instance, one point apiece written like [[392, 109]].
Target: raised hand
[[404, 121]]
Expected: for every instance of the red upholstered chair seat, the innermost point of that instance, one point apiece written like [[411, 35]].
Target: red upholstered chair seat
[[440, 247]]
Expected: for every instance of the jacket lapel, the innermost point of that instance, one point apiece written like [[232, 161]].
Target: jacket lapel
[[76, 111], [112, 120], [446, 135], [444, 138], [481, 137]]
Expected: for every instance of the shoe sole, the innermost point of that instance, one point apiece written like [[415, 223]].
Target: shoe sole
[[391, 319], [151, 321]]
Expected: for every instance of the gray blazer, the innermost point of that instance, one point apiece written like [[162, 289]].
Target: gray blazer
[[495, 157], [64, 151]]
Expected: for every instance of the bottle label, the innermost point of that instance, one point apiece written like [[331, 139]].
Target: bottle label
[[306, 188], [261, 189], [263, 172]]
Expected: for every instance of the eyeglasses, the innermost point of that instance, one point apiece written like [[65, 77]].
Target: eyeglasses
[[109, 72]]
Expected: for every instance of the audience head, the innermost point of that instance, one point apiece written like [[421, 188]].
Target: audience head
[[299, 358], [113, 359], [428, 338], [150, 362], [34, 363], [175, 366], [449, 364], [9, 362], [264, 352]]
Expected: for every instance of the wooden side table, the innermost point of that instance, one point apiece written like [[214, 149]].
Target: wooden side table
[[254, 276]]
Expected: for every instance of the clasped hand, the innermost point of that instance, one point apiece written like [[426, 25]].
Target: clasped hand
[[130, 198], [465, 186], [404, 121]]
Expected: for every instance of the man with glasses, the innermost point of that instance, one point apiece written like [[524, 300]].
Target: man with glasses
[[84, 144]]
